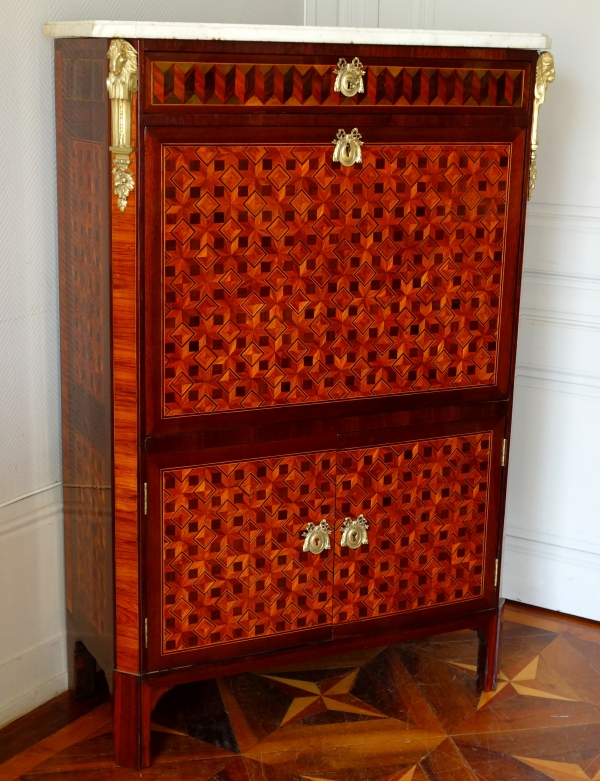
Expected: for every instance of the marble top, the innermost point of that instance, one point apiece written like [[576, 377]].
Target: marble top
[[295, 34]]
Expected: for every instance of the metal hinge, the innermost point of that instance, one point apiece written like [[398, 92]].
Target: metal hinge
[[146, 497], [504, 444], [496, 572], [146, 632]]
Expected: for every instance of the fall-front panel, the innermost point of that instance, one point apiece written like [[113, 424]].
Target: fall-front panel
[[286, 280]]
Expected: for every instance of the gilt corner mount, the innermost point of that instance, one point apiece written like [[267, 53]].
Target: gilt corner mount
[[121, 83], [544, 75]]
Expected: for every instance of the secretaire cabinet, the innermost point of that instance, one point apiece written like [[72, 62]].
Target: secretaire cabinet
[[289, 278]]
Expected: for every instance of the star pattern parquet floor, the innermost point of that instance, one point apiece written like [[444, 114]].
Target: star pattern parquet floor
[[400, 713]]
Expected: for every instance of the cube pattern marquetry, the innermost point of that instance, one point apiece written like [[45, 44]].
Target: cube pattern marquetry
[[189, 84], [426, 504], [289, 279], [234, 567]]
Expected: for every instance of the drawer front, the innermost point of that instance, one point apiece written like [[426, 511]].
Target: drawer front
[[233, 566], [426, 503], [190, 84], [288, 280]]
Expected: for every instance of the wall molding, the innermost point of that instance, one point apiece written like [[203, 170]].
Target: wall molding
[[33, 665], [561, 279], [32, 678], [310, 13], [342, 13], [533, 564], [423, 15], [551, 542], [357, 13], [41, 506], [583, 219], [28, 494], [561, 380], [563, 319]]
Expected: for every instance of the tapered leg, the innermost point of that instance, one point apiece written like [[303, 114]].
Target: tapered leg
[[131, 722], [489, 646], [84, 672]]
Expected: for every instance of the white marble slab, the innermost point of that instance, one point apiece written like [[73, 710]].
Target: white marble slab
[[294, 34]]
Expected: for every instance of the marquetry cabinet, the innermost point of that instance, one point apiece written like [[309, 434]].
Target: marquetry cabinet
[[289, 276]]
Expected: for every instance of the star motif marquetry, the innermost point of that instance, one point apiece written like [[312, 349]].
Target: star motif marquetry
[[562, 771], [406, 774], [332, 694], [526, 683]]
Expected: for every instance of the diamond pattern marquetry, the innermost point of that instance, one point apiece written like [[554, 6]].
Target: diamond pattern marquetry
[[289, 279], [252, 84], [233, 561], [426, 505]]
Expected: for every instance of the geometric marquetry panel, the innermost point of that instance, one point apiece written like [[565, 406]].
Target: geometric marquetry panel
[[426, 505], [233, 562], [256, 84], [290, 279]]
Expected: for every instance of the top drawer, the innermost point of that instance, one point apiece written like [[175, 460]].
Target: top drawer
[[192, 83]]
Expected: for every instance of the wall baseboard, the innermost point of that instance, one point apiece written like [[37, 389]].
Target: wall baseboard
[[550, 572]]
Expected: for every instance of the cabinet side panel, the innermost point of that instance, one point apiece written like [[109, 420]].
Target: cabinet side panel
[[84, 265], [125, 367]]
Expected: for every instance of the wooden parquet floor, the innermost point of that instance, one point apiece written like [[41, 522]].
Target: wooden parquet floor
[[409, 712]]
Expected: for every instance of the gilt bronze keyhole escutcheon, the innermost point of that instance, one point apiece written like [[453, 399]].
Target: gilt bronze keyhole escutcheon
[[347, 147], [349, 77], [316, 537], [354, 532]]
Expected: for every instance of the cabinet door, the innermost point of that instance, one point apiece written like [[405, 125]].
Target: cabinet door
[[228, 574], [283, 280], [431, 505]]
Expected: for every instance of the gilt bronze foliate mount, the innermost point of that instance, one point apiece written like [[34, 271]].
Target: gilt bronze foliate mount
[[544, 75], [121, 83]]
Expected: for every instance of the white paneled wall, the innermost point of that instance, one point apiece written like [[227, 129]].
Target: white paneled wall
[[552, 543], [32, 642]]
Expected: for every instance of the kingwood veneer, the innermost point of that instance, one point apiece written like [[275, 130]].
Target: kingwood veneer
[[263, 348]]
